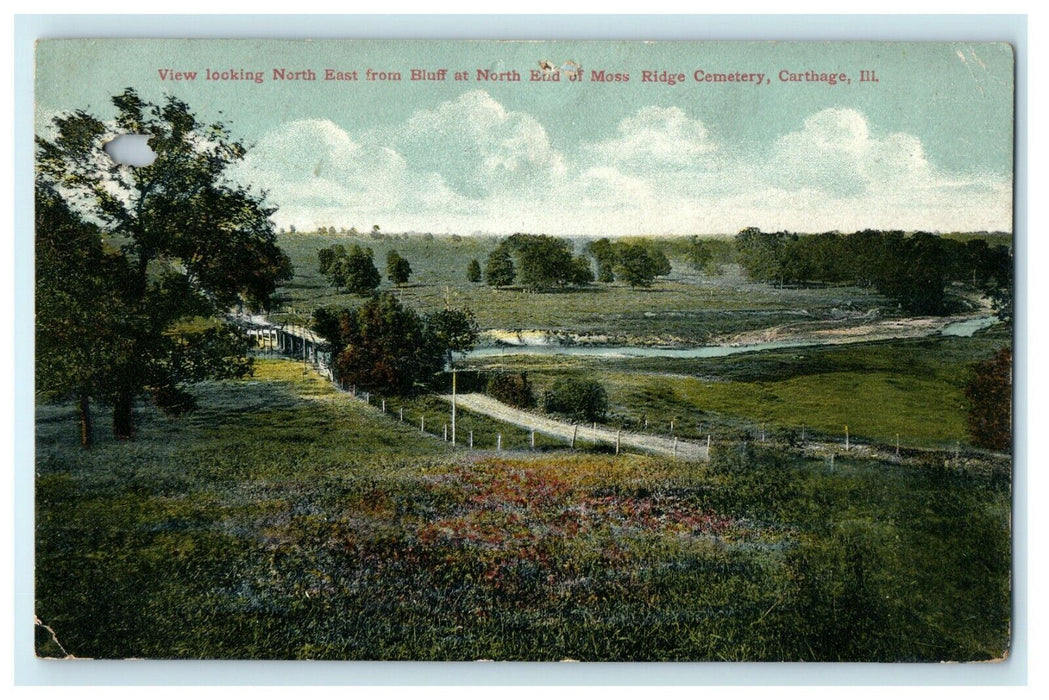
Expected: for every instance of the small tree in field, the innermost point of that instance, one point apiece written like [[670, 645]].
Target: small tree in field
[[398, 269], [990, 392], [500, 271], [473, 271]]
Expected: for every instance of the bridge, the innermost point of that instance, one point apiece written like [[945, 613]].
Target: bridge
[[289, 340]]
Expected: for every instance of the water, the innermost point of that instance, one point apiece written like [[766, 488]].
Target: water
[[961, 329], [965, 329]]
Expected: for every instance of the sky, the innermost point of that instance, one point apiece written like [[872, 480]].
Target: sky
[[928, 146]]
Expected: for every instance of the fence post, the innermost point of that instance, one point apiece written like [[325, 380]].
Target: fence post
[[499, 442], [471, 439], [446, 432], [422, 424], [617, 440], [575, 432], [531, 439], [671, 427], [897, 445], [675, 447], [846, 438], [708, 447], [384, 407], [401, 413]]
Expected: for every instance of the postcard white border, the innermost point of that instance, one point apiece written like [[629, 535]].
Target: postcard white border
[[29, 28]]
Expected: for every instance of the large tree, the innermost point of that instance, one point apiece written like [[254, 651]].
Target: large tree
[[190, 242], [78, 308], [386, 347]]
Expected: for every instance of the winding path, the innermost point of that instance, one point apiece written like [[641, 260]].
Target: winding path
[[670, 447]]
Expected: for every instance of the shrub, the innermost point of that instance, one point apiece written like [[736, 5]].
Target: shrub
[[511, 388], [990, 392], [582, 399]]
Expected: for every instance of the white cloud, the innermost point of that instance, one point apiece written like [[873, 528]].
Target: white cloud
[[656, 139], [479, 147], [471, 164], [318, 174]]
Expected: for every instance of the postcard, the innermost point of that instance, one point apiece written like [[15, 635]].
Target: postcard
[[524, 351]]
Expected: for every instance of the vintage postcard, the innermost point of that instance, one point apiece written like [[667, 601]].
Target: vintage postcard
[[537, 351]]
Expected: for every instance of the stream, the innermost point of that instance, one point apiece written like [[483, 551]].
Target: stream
[[962, 329]]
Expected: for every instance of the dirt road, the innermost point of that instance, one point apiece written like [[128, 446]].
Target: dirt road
[[486, 405]]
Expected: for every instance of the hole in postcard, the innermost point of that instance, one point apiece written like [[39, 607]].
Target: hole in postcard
[[131, 149]]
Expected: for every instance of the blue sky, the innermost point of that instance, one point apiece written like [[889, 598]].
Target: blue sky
[[927, 147]]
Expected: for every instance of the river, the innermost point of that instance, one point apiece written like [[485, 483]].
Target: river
[[963, 329]]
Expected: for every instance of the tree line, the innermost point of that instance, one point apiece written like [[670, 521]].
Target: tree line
[[914, 270], [136, 266]]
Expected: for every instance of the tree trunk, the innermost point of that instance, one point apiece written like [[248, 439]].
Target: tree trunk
[[83, 407], [124, 417]]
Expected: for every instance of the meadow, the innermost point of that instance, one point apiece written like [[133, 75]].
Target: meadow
[[285, 520], [911, 388], [684, 308]]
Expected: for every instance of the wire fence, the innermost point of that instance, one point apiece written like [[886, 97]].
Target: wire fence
[[481, 432]]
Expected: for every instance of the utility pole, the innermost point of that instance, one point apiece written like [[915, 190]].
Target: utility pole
[[453, 405]]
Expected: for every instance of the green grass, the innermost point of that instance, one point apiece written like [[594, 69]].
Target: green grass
[[685, 307], [913, 388], [285, 520]]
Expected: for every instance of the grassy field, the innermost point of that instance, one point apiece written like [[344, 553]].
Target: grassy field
[[684, 307], [284, 520], [913, 388]]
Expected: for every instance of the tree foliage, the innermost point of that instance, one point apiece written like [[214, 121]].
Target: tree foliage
[[581, 399], [989, 388], [473, 271], [398, 269], [453, 330], [351, 269], [78, 306], [383, 346], [500, 271], [185, 240], [512, 388], [636, 263], [915, 270], [538, 262]]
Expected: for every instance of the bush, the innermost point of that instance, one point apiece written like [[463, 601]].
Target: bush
[[989, 388], [582, 399], [512, 388]]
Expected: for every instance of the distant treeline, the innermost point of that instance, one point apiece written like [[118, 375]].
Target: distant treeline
[[912, 269], [915, 270]]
